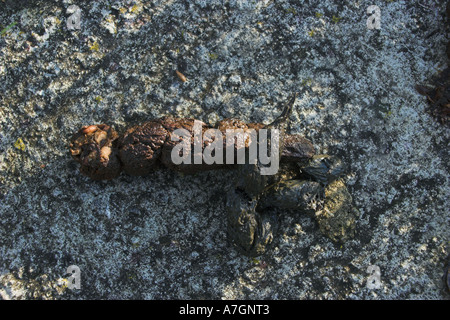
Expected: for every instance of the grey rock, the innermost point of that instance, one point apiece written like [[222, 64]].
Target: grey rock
[[163, 236]]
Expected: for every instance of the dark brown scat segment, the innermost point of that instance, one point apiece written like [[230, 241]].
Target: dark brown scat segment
[[94, 147], [230, 123], [173, 123], [100, 135], [251, 232], [337, 219], [296, 148], [324, 168], [173, 139], [291, 194], [242, 142], [141, 146], [256, 126]]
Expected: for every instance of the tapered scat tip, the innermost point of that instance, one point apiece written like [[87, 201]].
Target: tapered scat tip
[[284, 116]]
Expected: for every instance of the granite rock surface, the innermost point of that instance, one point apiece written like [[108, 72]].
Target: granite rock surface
[[163, 236]]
